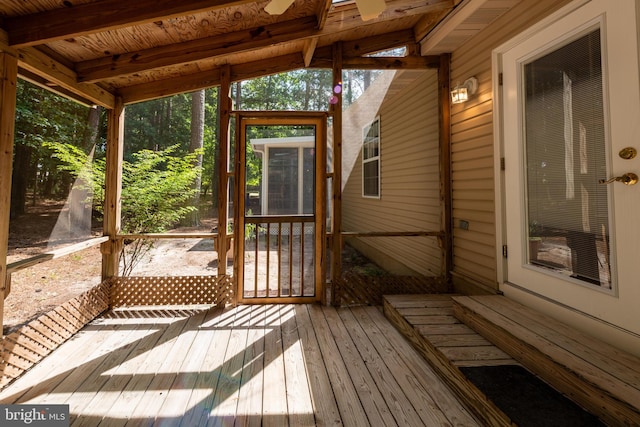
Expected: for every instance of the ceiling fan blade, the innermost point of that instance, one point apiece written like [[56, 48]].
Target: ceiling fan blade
[[277, 7], [370, 9]]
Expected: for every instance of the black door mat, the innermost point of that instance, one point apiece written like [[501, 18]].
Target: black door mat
[[526, 399]]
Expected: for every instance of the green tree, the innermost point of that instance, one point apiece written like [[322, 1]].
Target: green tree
[[44, 116], [165, 122], [156, 189], [197, 144]]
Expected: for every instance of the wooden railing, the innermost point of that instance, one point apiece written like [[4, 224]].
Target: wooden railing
[[391, 233], [48, 256], [158, 236], [283, 257]]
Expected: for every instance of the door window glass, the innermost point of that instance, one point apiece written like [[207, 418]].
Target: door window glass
[[567, 209]]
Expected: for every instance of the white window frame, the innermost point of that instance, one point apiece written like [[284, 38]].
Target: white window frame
[[377, 158]]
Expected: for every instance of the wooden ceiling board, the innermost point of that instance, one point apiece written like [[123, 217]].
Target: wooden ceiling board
[[205, 65], [22, 7], [170, 31], [145, 48]]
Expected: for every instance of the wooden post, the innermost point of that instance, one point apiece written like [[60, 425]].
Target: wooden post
[[336, 229], [445, 164], [113, 190], [8, 82], [223, 167]]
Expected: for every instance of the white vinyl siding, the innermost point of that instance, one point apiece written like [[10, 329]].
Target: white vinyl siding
[[472, 144]]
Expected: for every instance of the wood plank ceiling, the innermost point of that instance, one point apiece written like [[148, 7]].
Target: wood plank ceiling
[[95, 50]]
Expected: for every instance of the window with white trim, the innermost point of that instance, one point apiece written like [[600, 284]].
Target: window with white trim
[[371, 159]]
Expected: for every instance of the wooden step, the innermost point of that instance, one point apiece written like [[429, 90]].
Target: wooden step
[[428, 322], [602, 379]]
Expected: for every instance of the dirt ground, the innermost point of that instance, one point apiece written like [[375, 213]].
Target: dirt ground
[[43, 287]]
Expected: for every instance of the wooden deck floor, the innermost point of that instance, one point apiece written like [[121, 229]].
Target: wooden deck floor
[[251, 365]]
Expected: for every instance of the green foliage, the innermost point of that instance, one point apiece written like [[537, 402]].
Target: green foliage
[[43, 116], [162, 123], [156, 189], [156, 186], [298, 90]]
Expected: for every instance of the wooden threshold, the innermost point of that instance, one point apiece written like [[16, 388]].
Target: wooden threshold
[[252, 365], [448, 344]]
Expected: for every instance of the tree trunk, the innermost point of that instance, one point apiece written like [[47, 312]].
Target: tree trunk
[[20, 179], [197, 140], [367, 79], [36, 178], [93, 126], [216, 155], [349, 92]]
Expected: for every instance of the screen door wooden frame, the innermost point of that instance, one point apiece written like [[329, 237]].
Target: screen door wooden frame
[[318, 218]]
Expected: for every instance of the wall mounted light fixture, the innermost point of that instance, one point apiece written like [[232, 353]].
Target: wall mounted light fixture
[[462, 92]]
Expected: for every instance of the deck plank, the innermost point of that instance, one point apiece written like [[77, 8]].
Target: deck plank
[[298, 393], [376, 407], [225, 400], [245, 365], [460, 340], [468, 353], [171, 352], [274, 398], [204, 391], [249, 412], [142, 369], [444, 310], [323, 400], [120, 377], [442, 402], [390, 390], [428, 319], [351, 410]]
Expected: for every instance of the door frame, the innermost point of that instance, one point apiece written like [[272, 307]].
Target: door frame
[[577, 318], [281, 118]]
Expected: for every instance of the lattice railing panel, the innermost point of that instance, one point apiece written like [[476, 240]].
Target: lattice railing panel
[[185, 290], [32, 342], [356, 289]]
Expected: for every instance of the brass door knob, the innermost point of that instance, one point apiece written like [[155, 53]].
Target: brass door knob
[[628, 178]]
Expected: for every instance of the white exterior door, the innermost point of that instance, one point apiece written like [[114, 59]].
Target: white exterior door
[[571, 108]]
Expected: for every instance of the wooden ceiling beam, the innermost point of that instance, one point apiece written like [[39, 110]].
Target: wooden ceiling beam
[[323, 57], [309, 49], [56, 73], [311, 44], [103, 15], [206, 79], [378, 43], [266, 67], [168, 87], [210, 47], [391, 63], [323, 13], [39, 68], [255, 69]]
